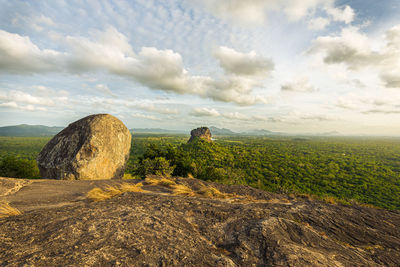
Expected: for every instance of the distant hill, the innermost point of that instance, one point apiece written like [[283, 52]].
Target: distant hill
[[221, 131], [225, 131], [29, 130], [260, 132], [155, 130]]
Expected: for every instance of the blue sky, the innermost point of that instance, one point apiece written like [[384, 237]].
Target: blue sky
[[296, 66]]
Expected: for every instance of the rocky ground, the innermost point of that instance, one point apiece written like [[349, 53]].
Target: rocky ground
[[60, 226]]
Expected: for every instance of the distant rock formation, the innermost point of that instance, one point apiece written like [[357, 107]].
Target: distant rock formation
[[202, 133], [93, 148]]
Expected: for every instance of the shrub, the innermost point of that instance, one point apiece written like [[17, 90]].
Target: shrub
[[158, 166], [15, 167]]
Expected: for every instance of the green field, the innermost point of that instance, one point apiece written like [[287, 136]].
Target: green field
[[364, 170]]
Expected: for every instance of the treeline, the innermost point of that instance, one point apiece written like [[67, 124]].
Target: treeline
[[365, 171], [360, 169]]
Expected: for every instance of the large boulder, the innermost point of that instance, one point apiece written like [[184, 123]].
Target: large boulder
[[202, 133], [93, 148]]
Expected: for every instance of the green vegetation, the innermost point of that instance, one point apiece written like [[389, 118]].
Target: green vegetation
[[363, 170]]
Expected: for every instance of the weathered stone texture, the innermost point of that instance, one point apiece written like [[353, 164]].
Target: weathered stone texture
[[93, 148]]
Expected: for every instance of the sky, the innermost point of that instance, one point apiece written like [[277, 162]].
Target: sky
[[296, 66]]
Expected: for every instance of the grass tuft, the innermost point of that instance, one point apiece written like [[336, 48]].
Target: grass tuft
[[182, 190], [6, 210], [163, 182], [98, 194], [212, 192], [125, 187]]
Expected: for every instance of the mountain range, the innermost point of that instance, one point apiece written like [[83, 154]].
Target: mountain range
[[29, 130], [41, 130]]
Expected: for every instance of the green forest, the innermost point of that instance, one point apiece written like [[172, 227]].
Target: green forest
[[351, 170]]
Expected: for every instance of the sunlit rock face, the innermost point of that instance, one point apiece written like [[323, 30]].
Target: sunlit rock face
[[202, 133], [93, 148]]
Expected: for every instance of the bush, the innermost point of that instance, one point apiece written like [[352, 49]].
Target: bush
[[15, 167], [158, 166]]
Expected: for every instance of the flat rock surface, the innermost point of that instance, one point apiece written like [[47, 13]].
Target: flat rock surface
[[157, 228]]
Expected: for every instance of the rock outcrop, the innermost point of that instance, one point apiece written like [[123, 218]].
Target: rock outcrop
[[160, 228], [93, 148], [202, 133]]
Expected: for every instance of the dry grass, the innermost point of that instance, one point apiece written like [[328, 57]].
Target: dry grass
[[329, 200], [6, 210], [98, 194], [163, 182], [182, 190], [125, 187], [212, 192]]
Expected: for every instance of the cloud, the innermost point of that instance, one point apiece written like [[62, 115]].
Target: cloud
[[25, 98], [354, 50], [11, 104], [249, 11], [255, 12], [235, 116], [157, 69], [204, 112], [319, 23], [14, 105], [19, 55], [37, 23], [43, 91], [104, 89], [157, 109], [317, 117], [345, 15], [249, 64], [145, 116], [301, 84]]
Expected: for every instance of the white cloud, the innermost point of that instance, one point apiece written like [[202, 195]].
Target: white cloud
[[204, 112], [300, 84], [157, 109], [319, 23], [354, 50], [156, 69], [249, 11], [19, 55], [25, 98], [243, 64], [235, 116], [345, 15], [296, 10], [14, 105], [11, 104], [256, 11], [43, 91], [145, 116], [317, 117], [36, 22], [104, 89]]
